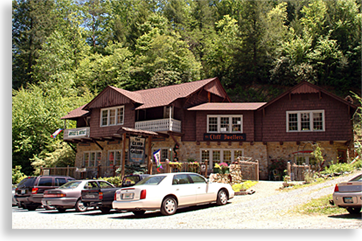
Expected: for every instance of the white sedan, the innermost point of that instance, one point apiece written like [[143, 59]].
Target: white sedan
[[170, 191]]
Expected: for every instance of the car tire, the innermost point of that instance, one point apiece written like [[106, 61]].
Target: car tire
[[79, 206], [222, 197], [354, 210], [169, 206], [61, 210], [105, 210]]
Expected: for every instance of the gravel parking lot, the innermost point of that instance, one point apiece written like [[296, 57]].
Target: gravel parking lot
[[268, 208]]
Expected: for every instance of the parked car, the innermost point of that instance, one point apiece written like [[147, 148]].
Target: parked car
[[14, 202], [68, 195], [170, 191], [102, 197], [30, 190], [349, 195]]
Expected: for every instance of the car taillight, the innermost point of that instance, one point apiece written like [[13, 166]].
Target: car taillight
[[336, 189], [34, 190], [100, 195], [143, 194], [46, 194]]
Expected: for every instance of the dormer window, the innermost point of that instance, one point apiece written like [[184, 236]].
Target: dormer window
[[112, 116]]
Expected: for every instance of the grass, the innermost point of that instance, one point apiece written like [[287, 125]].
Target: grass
[[243, 186], [320, 206]]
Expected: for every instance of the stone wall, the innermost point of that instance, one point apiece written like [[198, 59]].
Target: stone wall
[[234, 176]]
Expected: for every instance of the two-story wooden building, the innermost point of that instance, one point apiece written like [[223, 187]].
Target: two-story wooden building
[[197, 120]]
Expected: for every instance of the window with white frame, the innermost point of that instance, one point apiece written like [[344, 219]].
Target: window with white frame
[[309, 120], [91, 159], [220, 155], [112, 116], [224, 124], [115, 157]]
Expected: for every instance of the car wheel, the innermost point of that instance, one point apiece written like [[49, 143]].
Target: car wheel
[[222, 197], [169, 206], [79, 206], [61, 210], [105, 210], [354, 210]]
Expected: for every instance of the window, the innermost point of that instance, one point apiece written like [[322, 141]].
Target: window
[[60, 181], [114, 158], [104, 185], [224, 124], [90, 159], [220, 155], [164, 154], [298, 121], [45, 181], [197, 179], [180, 179], [91, 185], [112, 116]]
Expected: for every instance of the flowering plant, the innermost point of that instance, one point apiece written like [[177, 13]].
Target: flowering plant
[[193, 166], [177, 165], [223, 167]]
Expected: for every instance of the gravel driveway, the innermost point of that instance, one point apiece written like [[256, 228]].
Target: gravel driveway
[[268, 208]]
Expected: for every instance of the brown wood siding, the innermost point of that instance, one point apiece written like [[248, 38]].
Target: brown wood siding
[[188, 126], [248, 122], [96, 131], [110, 98], [337, 120]]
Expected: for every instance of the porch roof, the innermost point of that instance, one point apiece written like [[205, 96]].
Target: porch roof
[[228, 106]]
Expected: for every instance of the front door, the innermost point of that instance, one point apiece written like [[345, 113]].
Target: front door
[[184, 189]]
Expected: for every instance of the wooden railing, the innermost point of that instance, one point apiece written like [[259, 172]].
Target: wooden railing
[[159, 125]]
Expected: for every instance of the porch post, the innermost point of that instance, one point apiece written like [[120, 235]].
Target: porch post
[[124, 136], [149, 160]]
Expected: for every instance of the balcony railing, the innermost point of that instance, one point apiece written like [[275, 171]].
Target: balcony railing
[[159, 125], [76, 133]]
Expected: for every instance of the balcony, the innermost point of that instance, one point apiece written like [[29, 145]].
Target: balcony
[[77, 133], [161, 125]]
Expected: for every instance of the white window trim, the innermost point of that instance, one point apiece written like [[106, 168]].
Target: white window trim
[[230, 123], [211, 162], [108, 118], [95, 161], [310, 120]]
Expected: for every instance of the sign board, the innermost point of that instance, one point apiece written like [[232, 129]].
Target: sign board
[[224, 137], [137, 150], [77, 133]]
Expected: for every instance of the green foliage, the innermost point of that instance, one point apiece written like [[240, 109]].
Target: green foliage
[[66, 51], [320, 206], [338, 167], [243, 186], [17, 175], [116, 181]]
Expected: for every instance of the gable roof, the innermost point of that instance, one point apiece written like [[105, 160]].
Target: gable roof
[[164, 96], [155, 97], [305, 87], [228, 106], [79, 112]]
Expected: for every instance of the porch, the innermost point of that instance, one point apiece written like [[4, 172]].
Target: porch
[[160, 125]]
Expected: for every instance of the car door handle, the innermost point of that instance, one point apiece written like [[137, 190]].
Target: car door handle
[[177, 189], [199, 188]]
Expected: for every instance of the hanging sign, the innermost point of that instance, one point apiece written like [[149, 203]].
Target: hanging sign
[[137, 150]]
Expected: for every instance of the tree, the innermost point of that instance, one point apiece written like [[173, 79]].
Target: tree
[[33, 21]]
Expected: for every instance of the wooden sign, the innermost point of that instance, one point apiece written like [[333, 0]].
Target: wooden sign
[[224, 137]]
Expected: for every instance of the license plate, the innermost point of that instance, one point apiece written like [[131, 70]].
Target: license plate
[[127, 196], [347, 200], [23, 191], [89, 196]]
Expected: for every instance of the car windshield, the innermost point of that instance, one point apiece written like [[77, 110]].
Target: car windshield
[[27, 182], [70, 185], [151, 180], [357, 179]]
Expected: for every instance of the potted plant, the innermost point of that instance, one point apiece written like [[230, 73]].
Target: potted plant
[[193, 165]]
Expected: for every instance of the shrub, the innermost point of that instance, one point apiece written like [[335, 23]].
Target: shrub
[[17, 175], [116, 181], [243, 186]]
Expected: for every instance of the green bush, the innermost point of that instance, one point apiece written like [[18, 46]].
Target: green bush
[[338, 167], [116, 181], [243, 186], [17, 175]]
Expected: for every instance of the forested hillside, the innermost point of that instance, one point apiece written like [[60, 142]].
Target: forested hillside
[[67, 51]]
